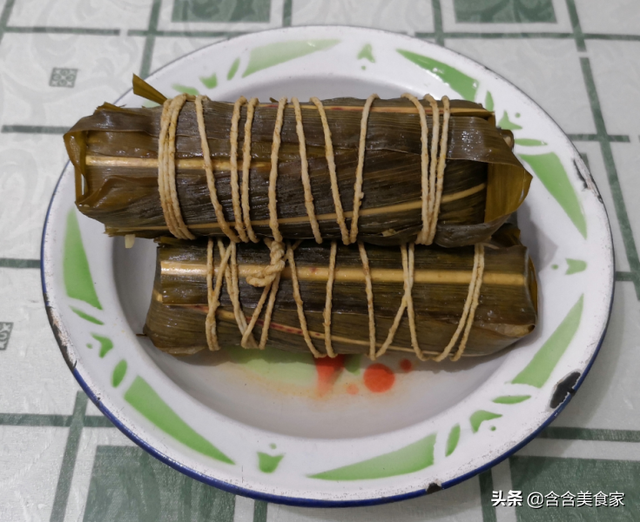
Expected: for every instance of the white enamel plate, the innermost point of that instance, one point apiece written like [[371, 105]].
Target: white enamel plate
[[277, 426]]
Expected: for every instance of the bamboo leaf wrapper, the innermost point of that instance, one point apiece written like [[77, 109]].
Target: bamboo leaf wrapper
[[507, 309], [115, 156]]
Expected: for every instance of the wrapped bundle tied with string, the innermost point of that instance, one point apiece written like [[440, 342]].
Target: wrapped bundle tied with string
[[381, 171], [328, 299]]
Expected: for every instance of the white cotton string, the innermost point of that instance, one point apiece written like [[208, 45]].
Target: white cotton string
[[433, 163], [228, 271], [167, 168]]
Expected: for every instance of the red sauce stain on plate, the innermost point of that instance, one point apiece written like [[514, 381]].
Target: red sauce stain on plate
[[352, 389], [328, 370], [406, 365], [379, 378]]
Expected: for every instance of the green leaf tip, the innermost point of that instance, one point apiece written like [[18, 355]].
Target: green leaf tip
[[143, 89]]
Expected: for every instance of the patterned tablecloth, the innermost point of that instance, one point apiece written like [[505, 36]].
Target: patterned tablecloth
[[60, 459]]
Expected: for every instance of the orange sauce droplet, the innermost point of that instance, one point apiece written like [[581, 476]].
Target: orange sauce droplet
[[406, 365], [352, 389], [328, 370], [379, 378]]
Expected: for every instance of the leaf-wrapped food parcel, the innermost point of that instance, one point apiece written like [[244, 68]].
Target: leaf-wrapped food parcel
[[115, 156], [506, 312]]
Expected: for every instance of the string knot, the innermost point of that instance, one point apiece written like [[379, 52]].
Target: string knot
[[268, 273]]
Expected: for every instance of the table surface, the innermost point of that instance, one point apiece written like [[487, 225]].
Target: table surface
[[60, 459]]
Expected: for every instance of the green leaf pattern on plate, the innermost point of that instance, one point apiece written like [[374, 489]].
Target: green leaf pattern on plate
[[233, 69], [185, 89], [453, 439], [268, 463], [118, 373], [85, 316], [528, 142], [553, 176], [478, 417], [538, 371], [209, 82], [488, 101], [511, 399], [463, 84], [106, 344], [366, 53], [575, 266], [413, 457], [146, 401], [279, 52], [75, 266], [506, 123]]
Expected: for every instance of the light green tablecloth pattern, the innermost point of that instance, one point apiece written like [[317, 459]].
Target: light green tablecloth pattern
[[60, 459]]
